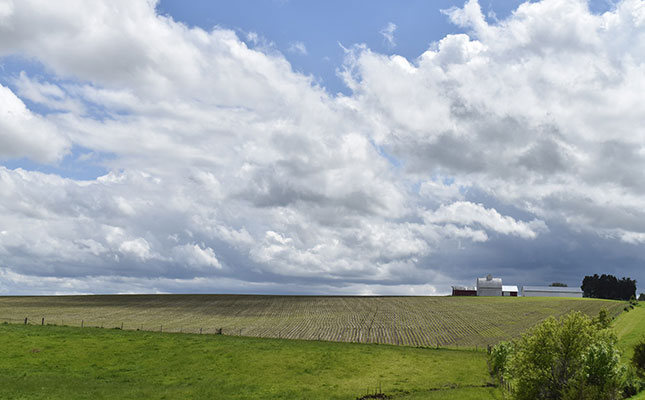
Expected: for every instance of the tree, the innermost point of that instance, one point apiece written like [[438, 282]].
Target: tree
[[602, 320], [558, 284], [641, 297], [570, 358], [608, 287]]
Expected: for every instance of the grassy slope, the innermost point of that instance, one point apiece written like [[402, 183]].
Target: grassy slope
[[62, 362], [414, 321], [630, 328]]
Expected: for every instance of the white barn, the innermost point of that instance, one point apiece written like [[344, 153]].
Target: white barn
[[550, 291], [510, 290], [489, 286]]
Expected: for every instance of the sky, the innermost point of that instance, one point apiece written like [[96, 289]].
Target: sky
[[296, 147]]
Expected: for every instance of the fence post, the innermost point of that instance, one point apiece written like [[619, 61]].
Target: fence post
[[121, 325], [200, 331], [160, 328], [43, 321], [26, 320], [82, 323]]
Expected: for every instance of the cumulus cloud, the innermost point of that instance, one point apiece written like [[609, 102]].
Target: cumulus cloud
[[229, 168], [25, 134], [467, 213]]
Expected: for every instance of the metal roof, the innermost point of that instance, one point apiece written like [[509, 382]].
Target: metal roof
[[489, 283], [458, 287], [509, 288], [552, 289]]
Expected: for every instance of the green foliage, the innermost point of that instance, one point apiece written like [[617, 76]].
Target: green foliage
[[602, 320], [638, 359], [632, 383], [498, 359], [641, 297], [558, 284], [570, 358]]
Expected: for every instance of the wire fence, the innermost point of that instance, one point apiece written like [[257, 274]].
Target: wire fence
[[364, 336]]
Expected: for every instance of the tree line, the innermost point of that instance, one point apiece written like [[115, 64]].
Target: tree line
[[608, 287]]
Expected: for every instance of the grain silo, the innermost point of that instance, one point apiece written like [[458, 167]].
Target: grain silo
[[489, 286]]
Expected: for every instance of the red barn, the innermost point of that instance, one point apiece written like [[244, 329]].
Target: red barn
[[464, 291]]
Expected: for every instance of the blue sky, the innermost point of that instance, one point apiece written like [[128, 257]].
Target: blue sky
[[324, 26], [331, 147]]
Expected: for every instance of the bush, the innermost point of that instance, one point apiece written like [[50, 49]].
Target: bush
[[641, 297], [498, 359], [570, 358], [638, 359], [632, 384]]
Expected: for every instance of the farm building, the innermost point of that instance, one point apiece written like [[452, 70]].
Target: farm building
[[509, 290], [489, 286], [550, 291], [464, 291]]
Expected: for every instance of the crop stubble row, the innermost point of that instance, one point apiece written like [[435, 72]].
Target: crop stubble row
[[410, 321]]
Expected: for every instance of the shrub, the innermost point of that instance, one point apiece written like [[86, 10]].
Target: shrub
[[498, 359], [632, 384], [638, 359], [570, 358]]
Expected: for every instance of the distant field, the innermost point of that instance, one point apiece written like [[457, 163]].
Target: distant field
[[409, 321], [53, 362]]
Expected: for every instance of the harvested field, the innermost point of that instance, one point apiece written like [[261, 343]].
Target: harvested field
[[407, 321]]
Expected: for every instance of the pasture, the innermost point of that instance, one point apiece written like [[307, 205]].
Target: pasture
[[52, 362], [408, 321]]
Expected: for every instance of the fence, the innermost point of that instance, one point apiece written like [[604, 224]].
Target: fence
[[349, 335]]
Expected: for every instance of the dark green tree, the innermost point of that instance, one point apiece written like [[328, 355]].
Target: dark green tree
[[638, 359], [608, 287]]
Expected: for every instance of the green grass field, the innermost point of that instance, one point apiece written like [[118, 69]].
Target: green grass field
[[410, 321], [50, 362], [56, 362]]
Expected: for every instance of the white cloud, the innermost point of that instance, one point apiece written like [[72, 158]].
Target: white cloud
[[388, 34], [195, 255], [138, 248], [467, 213], [230, 167], [298, 48], [25, 134]]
